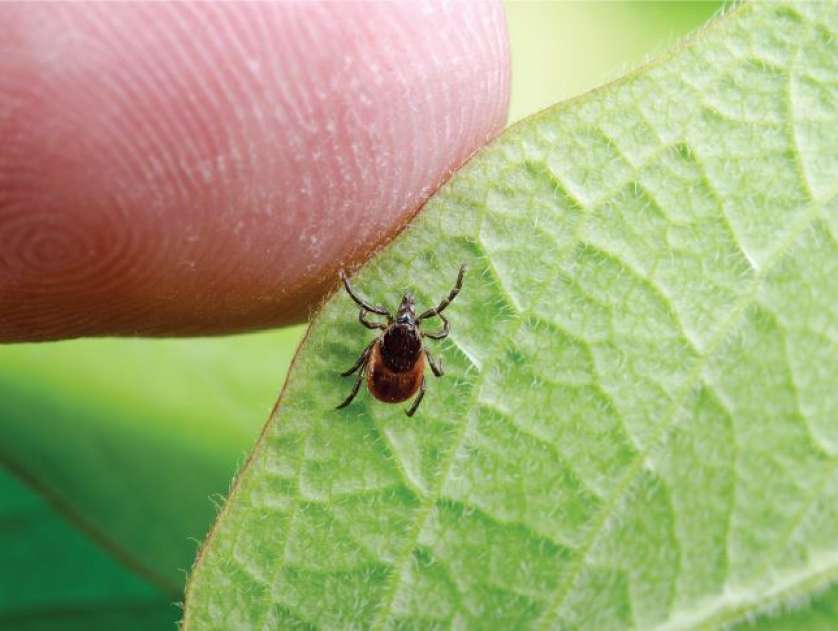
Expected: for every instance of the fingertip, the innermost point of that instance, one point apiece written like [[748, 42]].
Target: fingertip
[[189, 169]]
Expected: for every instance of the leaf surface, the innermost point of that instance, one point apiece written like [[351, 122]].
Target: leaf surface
[[639, 421]]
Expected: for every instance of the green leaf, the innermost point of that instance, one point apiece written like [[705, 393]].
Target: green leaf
[[587, 43], [115, 449], [815, 613], [638, 422], [55, 577]]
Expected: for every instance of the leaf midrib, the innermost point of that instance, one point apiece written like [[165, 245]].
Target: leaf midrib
[[800, 584]]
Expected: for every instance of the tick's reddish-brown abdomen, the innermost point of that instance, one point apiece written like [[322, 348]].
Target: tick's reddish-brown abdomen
[[390, 386]]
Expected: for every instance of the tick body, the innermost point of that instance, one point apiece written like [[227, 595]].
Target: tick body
[[394, 362]]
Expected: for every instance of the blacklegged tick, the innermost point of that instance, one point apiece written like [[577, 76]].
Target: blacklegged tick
[[394, 362]]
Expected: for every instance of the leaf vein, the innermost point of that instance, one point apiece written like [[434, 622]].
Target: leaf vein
[[621, 487]]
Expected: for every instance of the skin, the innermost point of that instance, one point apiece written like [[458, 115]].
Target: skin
[[177, 169]]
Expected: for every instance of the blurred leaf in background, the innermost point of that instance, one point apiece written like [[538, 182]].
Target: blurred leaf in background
[[57, 574], [110, 450], [562, 49]]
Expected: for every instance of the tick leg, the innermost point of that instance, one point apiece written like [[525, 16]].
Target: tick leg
[[418, 399], [447, 300], [440, 334], [355, 388], [362, 318], [360, 361], [361, 302], [436, 367]]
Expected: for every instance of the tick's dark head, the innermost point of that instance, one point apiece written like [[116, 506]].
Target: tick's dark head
[[407, 311]]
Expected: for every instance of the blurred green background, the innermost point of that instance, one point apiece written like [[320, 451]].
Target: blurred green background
[[114, 452]]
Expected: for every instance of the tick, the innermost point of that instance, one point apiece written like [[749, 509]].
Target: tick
[[394, 362]]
